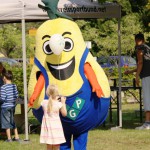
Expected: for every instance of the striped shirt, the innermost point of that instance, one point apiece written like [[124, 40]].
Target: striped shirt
[[8, 95]]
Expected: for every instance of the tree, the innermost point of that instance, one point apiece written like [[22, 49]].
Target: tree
[[9, 37], [11, 41], [103, 32]]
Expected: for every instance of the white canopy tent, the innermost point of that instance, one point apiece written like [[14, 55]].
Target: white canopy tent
[[27, 10], [11, 10]]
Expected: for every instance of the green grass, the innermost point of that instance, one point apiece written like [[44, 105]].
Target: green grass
[[101, 138], [125, 139]]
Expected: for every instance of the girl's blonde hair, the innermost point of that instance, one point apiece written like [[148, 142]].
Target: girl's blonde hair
[[52, 92]]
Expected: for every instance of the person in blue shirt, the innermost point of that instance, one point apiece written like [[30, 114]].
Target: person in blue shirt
[[9, 94]]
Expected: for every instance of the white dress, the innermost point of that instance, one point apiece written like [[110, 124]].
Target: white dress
[[51, 128]]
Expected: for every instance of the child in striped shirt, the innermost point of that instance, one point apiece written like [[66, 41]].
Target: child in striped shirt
[[8, 96]]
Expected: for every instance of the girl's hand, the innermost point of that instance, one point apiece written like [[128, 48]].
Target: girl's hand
[[63, 99]]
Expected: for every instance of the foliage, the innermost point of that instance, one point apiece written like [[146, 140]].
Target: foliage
[[11, 41], [113, 73], [18, 77], [101, 1], [142, 7], [103, 32]]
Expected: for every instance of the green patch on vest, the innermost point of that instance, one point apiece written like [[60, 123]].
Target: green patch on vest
[[73, 112]]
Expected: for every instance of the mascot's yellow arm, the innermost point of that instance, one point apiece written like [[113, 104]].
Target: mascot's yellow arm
[[90, 74], [37, 90]]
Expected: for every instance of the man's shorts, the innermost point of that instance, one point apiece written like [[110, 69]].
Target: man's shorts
[[7, 118], [146, 93]]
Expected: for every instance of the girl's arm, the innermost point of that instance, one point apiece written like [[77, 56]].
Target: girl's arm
[[63, 109]]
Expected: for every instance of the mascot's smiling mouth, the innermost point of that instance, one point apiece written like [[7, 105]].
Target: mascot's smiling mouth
[[62, 71]]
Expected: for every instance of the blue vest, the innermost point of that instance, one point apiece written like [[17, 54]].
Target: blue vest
[[84, 109]]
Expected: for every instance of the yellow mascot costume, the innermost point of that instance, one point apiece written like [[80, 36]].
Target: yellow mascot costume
[[61, 58]]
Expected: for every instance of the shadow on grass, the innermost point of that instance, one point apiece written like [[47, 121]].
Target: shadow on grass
[[130, 118]]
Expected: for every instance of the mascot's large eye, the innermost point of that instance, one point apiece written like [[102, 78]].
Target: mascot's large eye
[[68, 45], [46, 48]]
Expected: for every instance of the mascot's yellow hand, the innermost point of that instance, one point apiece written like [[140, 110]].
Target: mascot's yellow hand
[[90, 74]]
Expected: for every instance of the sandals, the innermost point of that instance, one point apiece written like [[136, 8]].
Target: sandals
[[8, 140], [16, 140]]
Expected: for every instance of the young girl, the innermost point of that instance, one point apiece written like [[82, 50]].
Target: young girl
[[51, 129]]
